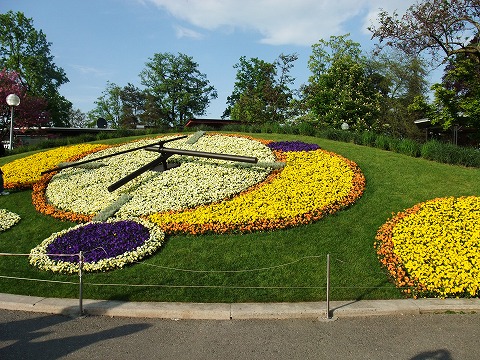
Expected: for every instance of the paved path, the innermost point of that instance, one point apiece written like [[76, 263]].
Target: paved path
[[39, 336], [305, 310], [46, 328]]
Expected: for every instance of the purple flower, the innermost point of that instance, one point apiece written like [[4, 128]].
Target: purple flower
[[292, 146], [99, 241]]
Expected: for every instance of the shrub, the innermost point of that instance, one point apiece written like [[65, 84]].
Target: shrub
[[382, 142], [306, 128], [409, 147], [436, 151], [366, 138]]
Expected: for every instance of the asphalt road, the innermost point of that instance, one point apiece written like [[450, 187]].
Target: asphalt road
[[28, 335]]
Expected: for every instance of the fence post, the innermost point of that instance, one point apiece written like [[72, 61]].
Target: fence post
[[328, 286], [80, 273]]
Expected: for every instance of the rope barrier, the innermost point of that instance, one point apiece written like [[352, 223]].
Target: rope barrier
[[39, 280], [230, 271]]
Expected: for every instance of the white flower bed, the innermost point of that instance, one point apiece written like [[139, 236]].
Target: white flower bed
[[8, 219], [197, 181]]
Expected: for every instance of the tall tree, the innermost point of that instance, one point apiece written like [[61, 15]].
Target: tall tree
[[401, 79], [340, 89], [31, 111], [133, 105], [25, 50], [456, 100], [176, 89], [108, 106], [77, 119], [262, 90], [442, 28]]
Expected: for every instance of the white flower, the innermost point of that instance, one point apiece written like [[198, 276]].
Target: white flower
[[40, 259], [195, 182], [8, 219]]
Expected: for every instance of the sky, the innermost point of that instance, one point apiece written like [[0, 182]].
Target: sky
[[100, 41]]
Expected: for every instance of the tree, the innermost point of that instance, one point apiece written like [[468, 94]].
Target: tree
[[108, 106], [133, 105], [31, 111], [340, 88], [176, 90], [26, 51], [435, 26], [401, 78], [77, 119], [457, 99], [261, 92]]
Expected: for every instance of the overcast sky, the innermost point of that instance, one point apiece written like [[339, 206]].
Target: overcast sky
[[96, 41]]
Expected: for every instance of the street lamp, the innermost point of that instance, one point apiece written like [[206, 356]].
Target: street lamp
[[345, 126], [12, 101]]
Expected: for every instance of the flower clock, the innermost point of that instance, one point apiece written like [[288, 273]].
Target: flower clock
[[292, 183], [433, 248]]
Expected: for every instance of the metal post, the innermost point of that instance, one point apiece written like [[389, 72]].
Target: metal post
[[80, 273], [11, 128], [328, 286]]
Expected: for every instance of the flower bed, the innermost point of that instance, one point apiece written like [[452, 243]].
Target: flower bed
[[204, 195], [105, 246], [8, 219], [24, 172], [197, 181], [293, 183], [311, 185], [433, 248]]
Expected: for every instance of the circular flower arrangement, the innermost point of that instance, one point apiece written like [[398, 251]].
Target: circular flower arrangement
[[8, 219], [293, 183], [433, 248], [104, 245], [196, 181], [204, 195]]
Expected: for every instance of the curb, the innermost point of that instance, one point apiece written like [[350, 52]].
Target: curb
[[237, 311]]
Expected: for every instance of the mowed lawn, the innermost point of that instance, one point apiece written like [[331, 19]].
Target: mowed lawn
[[284, 265]]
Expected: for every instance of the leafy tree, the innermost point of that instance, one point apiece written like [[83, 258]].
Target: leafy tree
[[176, 89], [26, 51], [400, 79], [435, 26], [457, 99], [261, 92], [340, 88], [31, 111], [108, 106], [77, 119], [121, 107], [133, 104]]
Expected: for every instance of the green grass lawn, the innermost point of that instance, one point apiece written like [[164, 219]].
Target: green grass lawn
[[394, 182]]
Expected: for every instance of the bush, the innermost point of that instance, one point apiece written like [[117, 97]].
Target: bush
[[435, 151], [382, 142], [450, 154], [366, 138], [409, 147], [307, 129]]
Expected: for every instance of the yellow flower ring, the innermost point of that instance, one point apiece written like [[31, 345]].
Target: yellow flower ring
[[23, 173], [433, 248], [311, 185], [218, 197]]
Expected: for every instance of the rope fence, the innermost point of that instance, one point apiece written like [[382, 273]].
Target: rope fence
[[80, 283]]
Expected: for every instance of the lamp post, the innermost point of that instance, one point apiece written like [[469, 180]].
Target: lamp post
[[12, 101]]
